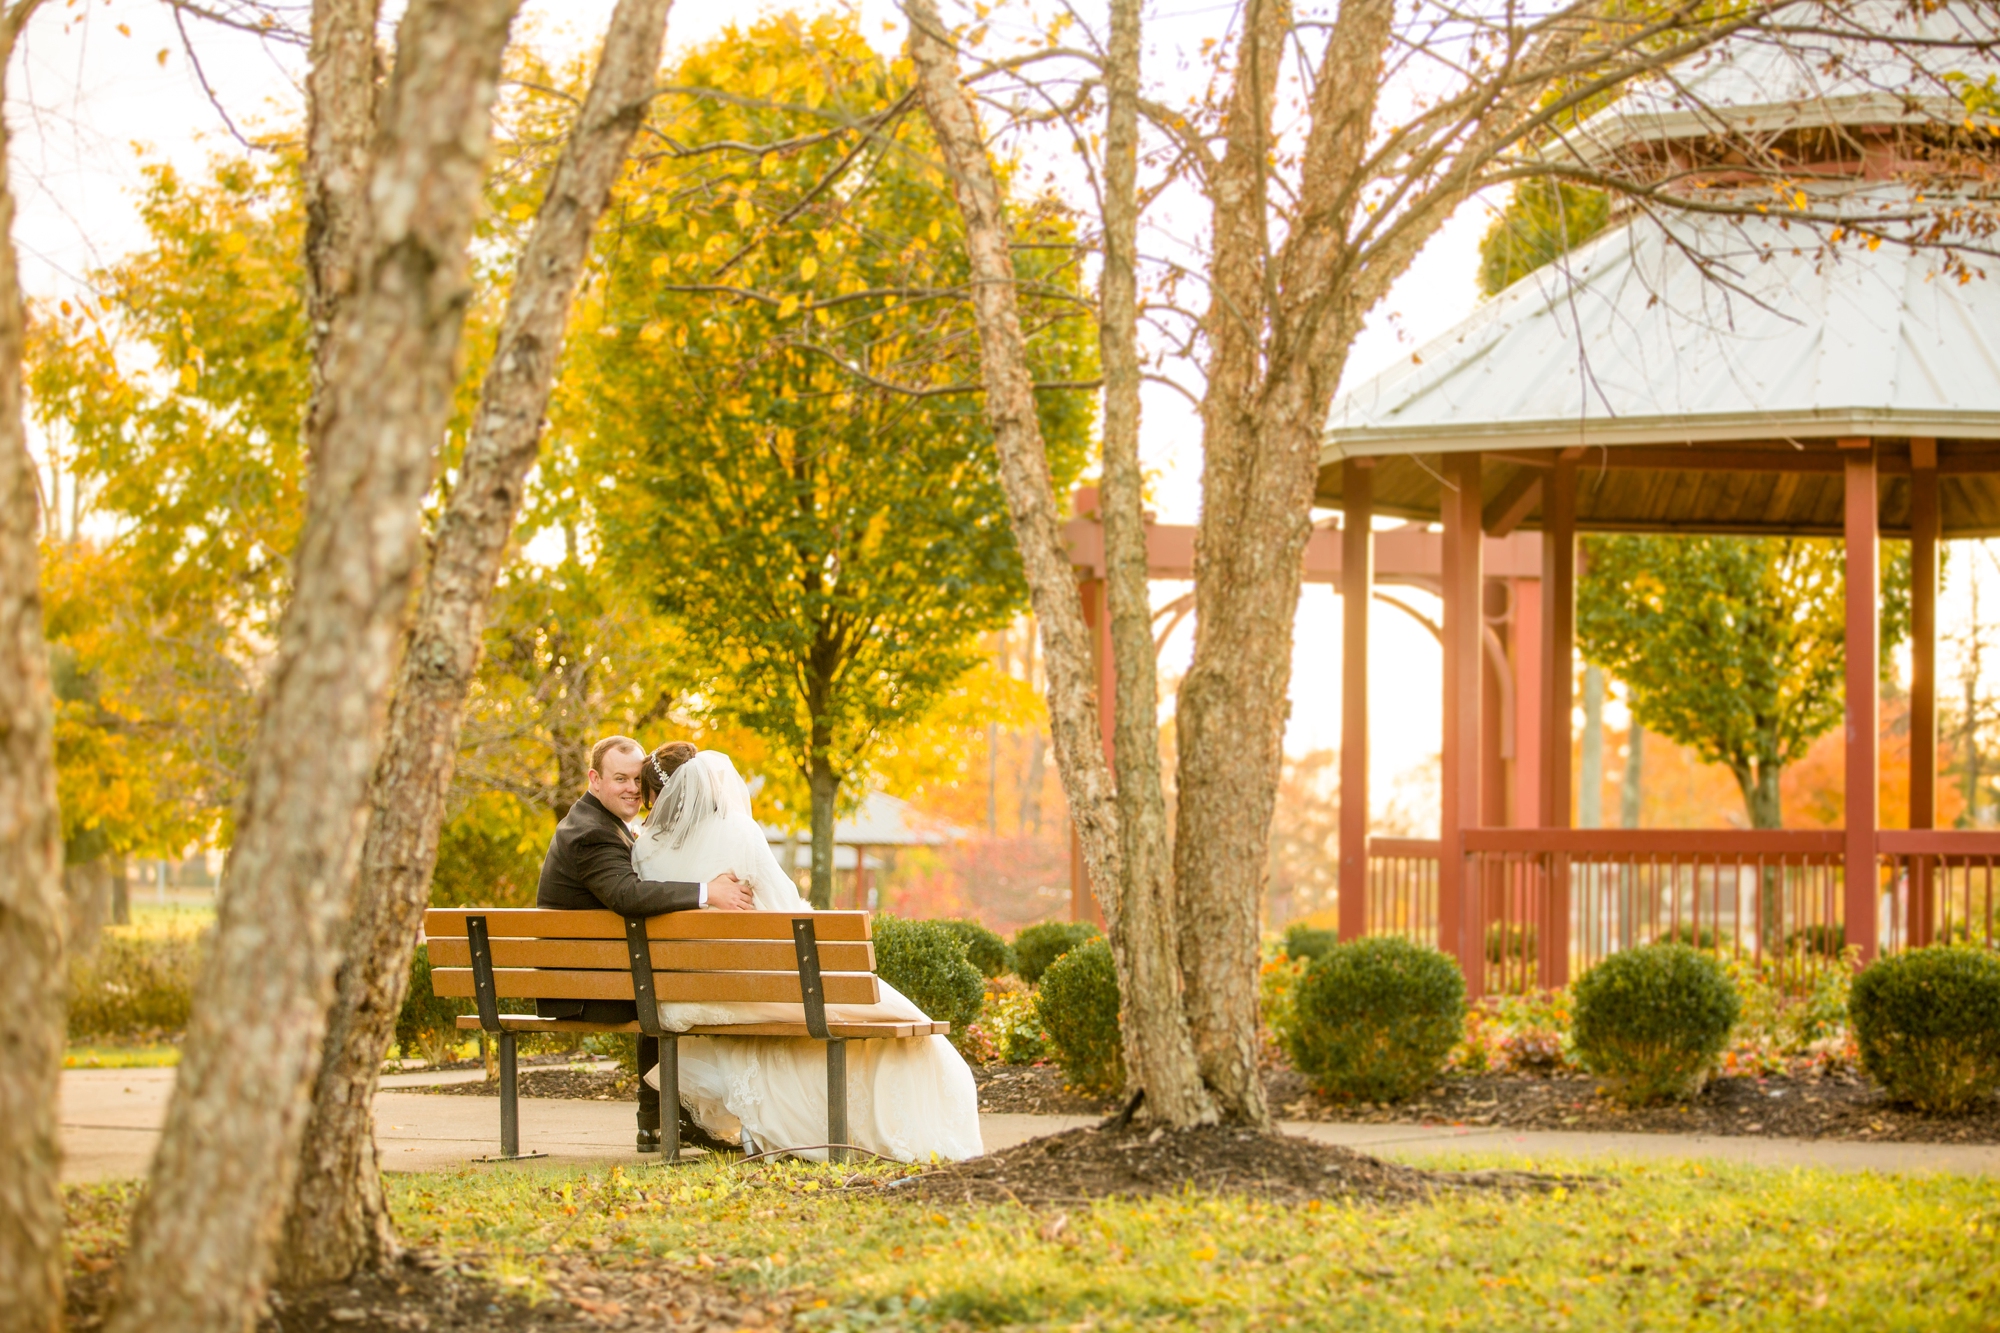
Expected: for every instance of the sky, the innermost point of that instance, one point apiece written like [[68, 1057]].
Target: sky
[[101, 86]]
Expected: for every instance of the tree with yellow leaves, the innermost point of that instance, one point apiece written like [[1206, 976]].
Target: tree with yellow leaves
[[776, 400]]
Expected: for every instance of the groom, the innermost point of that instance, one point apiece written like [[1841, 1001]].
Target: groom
[[589, 865]]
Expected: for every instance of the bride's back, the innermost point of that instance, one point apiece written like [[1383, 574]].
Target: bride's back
[[701, 826]]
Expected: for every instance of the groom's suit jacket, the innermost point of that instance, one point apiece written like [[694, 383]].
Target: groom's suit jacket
[[589, 865]]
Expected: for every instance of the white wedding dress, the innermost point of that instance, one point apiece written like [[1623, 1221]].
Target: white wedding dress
[[910, 1099]]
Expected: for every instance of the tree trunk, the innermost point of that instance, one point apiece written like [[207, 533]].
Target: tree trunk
[[339, 1220], [1159, 1052], [1024, 463], [1631, 793], [1031, 786], [572, 769], [1229, 721], [824, 785], [86, 903], [201, 1239], [340, 131], [1759, 784], [1590, 772], [121, 891], [31, 900]]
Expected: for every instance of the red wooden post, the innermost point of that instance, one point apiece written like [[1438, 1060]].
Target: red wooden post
[[1357, 589], [1921, 923], [1863, 690], [1458, 890], [1558, 685], [1525, 782], [1494, 743]]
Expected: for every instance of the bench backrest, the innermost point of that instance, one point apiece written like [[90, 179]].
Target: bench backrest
[[699, 956]]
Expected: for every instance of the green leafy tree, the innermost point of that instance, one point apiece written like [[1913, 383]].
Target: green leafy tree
[[170, 400], [1545, 220], [777, 396], [1734, 647]]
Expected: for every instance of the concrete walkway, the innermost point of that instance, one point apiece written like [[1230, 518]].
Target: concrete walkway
[[111, 1119]]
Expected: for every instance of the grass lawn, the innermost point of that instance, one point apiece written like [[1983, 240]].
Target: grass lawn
[[107, 1055], [1656, 1247]]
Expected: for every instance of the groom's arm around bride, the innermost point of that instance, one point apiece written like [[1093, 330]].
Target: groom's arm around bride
[[589, 861]]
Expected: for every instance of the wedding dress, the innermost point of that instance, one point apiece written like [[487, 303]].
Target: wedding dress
[[908, 1098]]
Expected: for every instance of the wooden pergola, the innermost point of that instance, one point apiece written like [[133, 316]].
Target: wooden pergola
[[1691, 375]]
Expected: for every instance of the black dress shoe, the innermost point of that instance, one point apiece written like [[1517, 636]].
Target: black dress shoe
[[649, 1140], [694, 1136]]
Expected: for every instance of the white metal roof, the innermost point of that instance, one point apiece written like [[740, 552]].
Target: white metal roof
[[882, 821], [1627, 342], [1764, 83]]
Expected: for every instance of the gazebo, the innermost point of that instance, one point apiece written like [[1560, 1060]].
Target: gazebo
[[1685, 374]]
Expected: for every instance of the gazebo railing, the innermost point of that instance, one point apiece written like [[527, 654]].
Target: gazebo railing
[[1403, 888], [1554, 902], [1551, 903], [1942, 886]]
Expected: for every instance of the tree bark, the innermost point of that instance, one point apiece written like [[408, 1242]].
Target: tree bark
[[1024, 463], [339, 1220], [824, 787], [1229, 721], [1159, 1052], [340, 130], [201, 1239], [31, 898]]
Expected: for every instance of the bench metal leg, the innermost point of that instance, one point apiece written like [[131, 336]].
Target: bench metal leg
[[670, 1098], [836, 1098], [510, 1105]]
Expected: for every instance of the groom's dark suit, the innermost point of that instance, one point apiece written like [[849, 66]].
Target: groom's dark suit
[[589, 865]]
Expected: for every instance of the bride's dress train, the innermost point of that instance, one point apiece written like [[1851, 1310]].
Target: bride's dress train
[[907, 1098]]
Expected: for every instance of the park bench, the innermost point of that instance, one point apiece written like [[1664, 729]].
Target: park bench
[[814, 959]]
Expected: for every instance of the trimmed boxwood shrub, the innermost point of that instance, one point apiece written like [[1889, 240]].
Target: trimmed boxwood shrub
[[1706, 937], [925, 960], [1035, 947], [1928, 1025], [1078, 1008], [1374, 1019], [983, 949], [1653, 1021], [1304, 942]]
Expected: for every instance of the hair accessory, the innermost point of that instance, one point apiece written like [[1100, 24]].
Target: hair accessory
[[654, 760]]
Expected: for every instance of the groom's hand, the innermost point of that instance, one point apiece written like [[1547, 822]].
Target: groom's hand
[[730, 893]]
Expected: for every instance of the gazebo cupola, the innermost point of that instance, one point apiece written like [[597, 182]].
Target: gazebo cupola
[[1747, 365]]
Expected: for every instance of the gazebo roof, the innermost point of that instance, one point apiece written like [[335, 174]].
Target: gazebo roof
[[1628, 342], [1708, 365], [1758, 84], [882, 821]]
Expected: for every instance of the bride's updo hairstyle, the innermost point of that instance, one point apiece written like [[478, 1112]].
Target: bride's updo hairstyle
[[660, 765]]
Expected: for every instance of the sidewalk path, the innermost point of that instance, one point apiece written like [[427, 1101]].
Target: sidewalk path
[[111, 1119]]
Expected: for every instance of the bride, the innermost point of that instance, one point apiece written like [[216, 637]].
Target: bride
[[908, 1098]]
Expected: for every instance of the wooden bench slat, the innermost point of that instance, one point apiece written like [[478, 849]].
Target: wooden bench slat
[[668, 955], [530, 1023], [675, 987], [549, 923]]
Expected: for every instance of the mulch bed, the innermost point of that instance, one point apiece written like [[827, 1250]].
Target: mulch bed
[[610, 1084], [1839, 1105], [1095, 1162], [1033, 1090], [428, 1293]]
